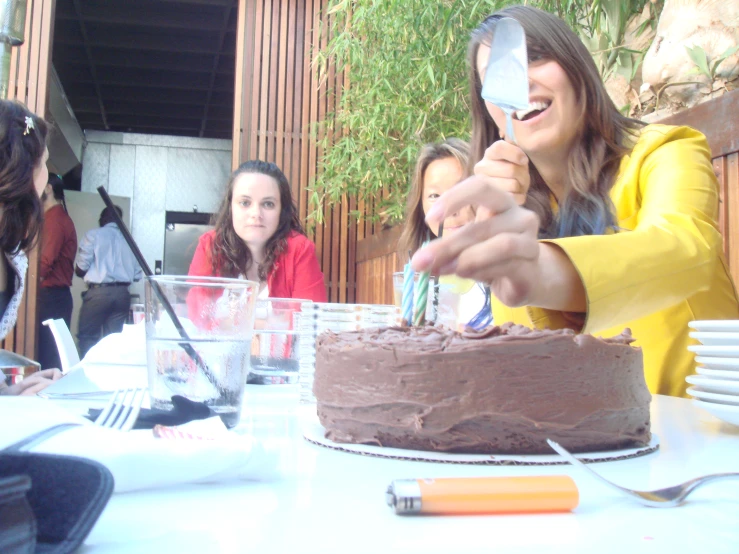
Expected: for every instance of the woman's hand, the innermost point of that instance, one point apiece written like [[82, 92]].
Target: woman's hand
[[33, 383], [507, 166], [501, 250]]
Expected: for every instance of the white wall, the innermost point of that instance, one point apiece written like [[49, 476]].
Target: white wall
[[158, 173]]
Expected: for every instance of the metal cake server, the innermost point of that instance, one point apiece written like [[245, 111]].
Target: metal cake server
[[506, 81]]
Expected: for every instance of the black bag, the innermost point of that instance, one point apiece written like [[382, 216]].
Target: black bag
[[49, 503]]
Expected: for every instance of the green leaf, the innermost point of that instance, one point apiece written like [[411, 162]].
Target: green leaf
[[729, 52], [698, 57]]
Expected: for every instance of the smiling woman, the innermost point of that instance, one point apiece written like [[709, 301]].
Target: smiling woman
[[258, 236], [592, 221]]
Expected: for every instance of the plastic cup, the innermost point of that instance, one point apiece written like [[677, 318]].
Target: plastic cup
[[207, 358], [276, 345]]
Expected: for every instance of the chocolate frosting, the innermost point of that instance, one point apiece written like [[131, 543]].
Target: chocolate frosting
[[503, 390]]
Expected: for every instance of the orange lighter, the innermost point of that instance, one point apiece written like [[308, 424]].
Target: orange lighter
[[483, 495]]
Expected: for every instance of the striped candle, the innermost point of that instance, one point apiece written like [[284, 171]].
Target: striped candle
[[421, 298], [407, 299]]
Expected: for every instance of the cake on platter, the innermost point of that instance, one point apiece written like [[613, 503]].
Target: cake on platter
[[504, 390]]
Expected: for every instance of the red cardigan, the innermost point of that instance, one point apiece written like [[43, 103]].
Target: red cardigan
[[295, 274]]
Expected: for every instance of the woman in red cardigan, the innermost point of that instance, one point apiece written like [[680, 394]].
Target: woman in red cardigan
[[258, 236]]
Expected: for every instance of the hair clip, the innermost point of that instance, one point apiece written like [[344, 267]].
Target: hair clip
[[30, 125]]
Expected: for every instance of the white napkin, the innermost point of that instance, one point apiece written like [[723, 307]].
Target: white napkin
[[127, 347], [137, 459]]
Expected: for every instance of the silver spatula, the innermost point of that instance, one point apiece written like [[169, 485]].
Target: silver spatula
[[506, 80]]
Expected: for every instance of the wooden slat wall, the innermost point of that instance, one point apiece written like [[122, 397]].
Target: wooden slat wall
[[279, 97], [377, 260], [29, 72], [717, 119]]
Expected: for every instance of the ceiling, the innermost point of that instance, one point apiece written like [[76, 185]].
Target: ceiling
[[148, 66]]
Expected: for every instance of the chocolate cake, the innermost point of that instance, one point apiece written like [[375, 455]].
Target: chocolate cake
[[500, 391]]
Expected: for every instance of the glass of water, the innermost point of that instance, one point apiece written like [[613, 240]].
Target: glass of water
[[276, 346], [198, 341]]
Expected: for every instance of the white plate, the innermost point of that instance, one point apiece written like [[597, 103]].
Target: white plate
[[718, 373], [714, 397], [314, 432], [716, 339], [724, 412], [710, 384], [718, 363], [715, 325], [96, 380], [721, 351]]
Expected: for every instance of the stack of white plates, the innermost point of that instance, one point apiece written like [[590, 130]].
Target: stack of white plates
[[716, 383]]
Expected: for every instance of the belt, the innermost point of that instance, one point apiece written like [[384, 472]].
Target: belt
[[113, 284]]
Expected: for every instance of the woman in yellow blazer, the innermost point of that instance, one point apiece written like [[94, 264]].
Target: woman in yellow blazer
[[592, 221]]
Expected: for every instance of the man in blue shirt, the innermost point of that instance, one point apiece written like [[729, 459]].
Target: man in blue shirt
[[108, 266]]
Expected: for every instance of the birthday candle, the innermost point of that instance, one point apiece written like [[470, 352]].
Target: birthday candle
[[421, 298], [407, 299], [435, 301]]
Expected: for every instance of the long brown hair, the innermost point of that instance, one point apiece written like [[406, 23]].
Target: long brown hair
[[22, 148], [231, 257], [605, 137], [415, 230]]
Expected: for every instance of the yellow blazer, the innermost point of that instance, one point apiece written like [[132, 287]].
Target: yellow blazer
[[663, 268]]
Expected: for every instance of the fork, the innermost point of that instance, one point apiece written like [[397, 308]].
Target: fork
[[660, 498], [121, 411]]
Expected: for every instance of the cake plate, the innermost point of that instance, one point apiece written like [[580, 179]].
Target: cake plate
[[314, 432]]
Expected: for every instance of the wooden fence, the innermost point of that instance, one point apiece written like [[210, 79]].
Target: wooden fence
[[29, 72], [718, 119]]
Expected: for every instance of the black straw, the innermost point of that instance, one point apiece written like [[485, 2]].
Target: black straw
[[436, 282], [187, 347]]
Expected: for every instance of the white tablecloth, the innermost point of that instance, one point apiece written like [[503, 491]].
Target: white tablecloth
[[329, 501]]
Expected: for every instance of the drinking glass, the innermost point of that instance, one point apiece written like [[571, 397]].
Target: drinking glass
[[275, 348], [138, 312], [203, 352]]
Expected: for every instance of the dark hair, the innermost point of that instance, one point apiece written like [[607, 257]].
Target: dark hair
[[606, 135], [22, 148], [106, 216], [231, 257], [57, 188], [415, 230]]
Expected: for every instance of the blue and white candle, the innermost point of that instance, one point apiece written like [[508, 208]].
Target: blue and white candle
[[407, 299]]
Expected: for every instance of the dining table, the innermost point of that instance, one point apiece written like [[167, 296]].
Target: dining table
[[319, 499]]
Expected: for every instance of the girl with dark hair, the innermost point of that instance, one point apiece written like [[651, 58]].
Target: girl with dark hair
[[593, 221], [23, 177], [439, 167], [258, 236]]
